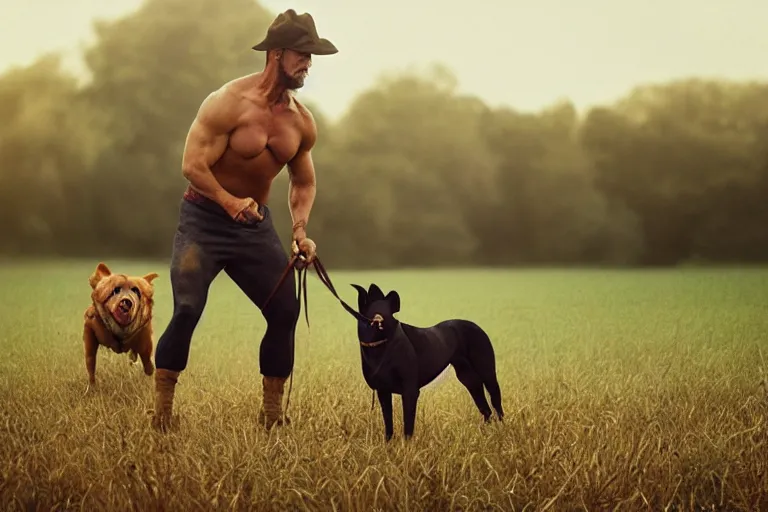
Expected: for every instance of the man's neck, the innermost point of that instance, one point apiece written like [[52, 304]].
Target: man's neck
[[269, 87]]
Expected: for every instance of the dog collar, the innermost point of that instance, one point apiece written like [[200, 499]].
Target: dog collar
[[373, 343]]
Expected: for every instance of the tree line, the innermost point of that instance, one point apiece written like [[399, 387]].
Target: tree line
[[414, 174]]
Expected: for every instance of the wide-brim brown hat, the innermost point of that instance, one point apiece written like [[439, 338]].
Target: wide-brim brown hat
[[296, 32]]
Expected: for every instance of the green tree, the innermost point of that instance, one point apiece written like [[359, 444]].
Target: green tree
[[684, 157], [150, 72], [410, 164], [550, 210], [47, 146], [415, 173]]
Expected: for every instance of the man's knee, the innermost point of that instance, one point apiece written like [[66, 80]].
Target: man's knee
[[172, 350], [190, 289], [282, 310], [186, 314], [281, 314], [188, 311]]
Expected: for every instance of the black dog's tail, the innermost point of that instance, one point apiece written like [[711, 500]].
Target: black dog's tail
[[483, 359]]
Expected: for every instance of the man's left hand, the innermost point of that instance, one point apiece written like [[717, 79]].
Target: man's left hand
[[305, 247]]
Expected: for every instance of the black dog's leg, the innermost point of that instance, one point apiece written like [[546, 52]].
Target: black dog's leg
[[385, 400], [471, 380], [495, 391], [483, 361], [410, 397]]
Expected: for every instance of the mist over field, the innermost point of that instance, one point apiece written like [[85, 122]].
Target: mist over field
[[414, 173]]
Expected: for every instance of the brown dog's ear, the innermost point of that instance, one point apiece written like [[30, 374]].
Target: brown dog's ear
[[394, 301], [100, 273], [145, 284]]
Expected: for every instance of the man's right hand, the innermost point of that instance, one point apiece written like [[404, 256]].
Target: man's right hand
[[245, 210]]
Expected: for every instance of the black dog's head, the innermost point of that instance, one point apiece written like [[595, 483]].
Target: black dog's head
[[380, 309]]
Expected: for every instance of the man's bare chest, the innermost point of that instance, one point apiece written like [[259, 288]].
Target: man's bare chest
[[259, 131]]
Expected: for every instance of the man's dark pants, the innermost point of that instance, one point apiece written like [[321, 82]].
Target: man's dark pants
[[208, 240]]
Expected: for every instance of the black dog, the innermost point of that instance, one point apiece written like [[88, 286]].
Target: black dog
[[400, 358]]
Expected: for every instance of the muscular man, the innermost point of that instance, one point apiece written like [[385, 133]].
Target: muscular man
[[243, 135]]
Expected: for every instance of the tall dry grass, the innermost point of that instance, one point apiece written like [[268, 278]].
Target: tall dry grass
[[623, 390]]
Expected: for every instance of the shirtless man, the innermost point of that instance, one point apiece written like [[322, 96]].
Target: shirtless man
[[243, 135]]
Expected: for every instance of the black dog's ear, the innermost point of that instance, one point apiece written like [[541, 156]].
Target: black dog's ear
[[375, 293], [394, 301], [362, 297]]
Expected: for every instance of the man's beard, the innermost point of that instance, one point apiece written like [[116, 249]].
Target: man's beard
[[290, 82]]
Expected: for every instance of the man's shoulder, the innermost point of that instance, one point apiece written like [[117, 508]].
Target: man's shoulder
[[227, 101], [243, 83], [233, 90], [305, 114], [218, 101]]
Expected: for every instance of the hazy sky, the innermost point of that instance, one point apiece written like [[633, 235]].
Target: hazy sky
[[521, 53]]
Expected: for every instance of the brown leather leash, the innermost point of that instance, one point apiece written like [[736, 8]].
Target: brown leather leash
[[322, 274], [297, 262]]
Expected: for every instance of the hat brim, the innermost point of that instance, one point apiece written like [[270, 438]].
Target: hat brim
[[319, 47]]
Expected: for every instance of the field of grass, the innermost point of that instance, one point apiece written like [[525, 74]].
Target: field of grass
[[628, 390]]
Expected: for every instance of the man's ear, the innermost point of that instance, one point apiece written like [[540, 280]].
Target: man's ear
[[394, 301], [362, 297], [100, 273], [375, 293]]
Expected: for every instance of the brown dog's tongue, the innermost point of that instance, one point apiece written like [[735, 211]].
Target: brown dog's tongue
[[121, 314]]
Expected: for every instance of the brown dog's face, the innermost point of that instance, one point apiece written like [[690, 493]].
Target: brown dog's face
[[124, 302]]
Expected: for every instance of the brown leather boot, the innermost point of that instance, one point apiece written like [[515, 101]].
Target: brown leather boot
[[165, 384], [271, 412]]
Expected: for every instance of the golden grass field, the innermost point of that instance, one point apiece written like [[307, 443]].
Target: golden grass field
[[624, 390]]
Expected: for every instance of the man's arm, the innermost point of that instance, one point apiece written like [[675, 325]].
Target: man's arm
[[301, 169], [206, 142]]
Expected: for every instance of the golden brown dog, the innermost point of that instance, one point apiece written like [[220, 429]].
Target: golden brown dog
[[120, 318]]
